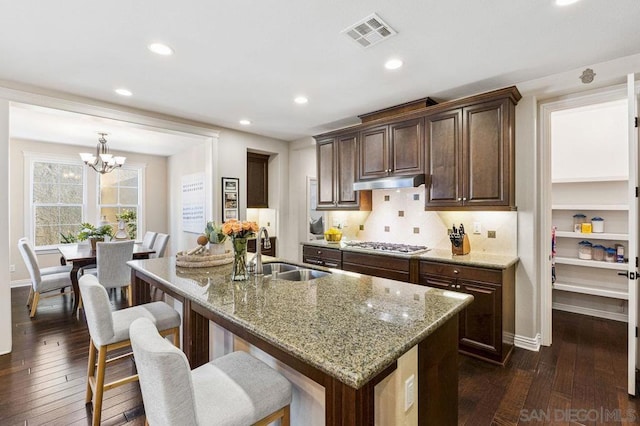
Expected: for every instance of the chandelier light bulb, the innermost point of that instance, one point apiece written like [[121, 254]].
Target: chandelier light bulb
[[102, 162]]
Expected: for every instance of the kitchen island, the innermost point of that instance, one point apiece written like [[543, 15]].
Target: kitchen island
[[344, 331]]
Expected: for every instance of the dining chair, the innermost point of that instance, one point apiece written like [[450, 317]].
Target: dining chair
[[235, 389], [149, 239], [109, 331], [43, 280], [111, 268], [160, 245]]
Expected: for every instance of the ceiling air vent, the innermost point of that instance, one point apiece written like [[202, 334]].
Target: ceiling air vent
[[369, 31]]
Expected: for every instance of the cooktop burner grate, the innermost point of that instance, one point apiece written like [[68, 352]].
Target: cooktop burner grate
[[390, 247]]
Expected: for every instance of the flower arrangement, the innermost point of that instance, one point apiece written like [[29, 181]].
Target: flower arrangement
[[214, 233], [129, 217], [88, 230], [239, 229]]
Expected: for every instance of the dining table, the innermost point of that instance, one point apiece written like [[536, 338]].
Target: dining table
[[81, 255]]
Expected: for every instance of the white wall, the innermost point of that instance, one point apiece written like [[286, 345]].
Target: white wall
[[5, 290], [302, 159]]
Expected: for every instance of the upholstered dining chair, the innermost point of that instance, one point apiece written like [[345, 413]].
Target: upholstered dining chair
[[235, 389], [160, 245], [109, 331], [149, 239], [111, 265], [43, 280]]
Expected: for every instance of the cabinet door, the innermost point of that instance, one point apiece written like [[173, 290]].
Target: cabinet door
[[373, 153], [347, 167], [407, 147], [326, 173], [486, 154], [480, 322], [443, 140], [257, 180]]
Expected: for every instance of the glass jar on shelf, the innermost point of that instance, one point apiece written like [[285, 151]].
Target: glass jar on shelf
[[610, 255], [578, 220], [597, 252], [585, 249]]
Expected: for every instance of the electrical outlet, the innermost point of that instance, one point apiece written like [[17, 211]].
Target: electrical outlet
[[361, 227], [409, 392], [12, 268], [449, 231], [491, 234], [476, 228]]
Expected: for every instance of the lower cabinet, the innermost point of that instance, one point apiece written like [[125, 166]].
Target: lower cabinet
[[487, 326], [383, 266], [328, 257]]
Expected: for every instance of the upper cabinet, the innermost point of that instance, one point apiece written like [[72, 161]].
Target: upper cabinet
[[396, 149], [470, 153], [257, 180], [465, 148], [337, 158]]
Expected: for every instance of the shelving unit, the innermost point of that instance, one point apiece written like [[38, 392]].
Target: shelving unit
[[590, 285]]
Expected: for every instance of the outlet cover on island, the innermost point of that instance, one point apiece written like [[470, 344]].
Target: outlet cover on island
[[409, 389]]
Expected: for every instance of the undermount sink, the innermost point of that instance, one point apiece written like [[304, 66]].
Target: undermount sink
[[302, 275], [279, 267]]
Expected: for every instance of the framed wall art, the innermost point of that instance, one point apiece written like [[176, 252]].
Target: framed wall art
[[230, 198]]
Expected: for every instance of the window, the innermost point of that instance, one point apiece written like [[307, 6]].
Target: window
[[57, 200], [120, 191]]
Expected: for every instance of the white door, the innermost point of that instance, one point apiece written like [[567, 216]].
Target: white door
[[633, 361]]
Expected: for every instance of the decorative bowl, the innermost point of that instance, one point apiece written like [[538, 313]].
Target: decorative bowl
[[333, 237]]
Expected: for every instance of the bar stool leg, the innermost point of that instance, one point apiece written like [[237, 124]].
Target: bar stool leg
[[91, 369], [97, 400]]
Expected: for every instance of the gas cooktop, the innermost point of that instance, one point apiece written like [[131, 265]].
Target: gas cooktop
[[388, 247]]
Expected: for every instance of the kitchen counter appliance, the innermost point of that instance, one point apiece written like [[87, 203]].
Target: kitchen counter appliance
[[387, 247]]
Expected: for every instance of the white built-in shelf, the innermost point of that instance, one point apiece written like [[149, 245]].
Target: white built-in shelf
[[592, 179], [592, 290], [593, 235], [592, 263], [590, 207]]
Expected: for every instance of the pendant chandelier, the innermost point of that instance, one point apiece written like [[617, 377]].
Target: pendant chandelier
[[102, 161]]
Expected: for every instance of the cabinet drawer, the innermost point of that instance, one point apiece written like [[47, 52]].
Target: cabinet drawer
[[493, 276], [324, 253], [378, 261]]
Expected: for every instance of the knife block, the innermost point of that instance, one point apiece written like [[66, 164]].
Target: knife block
[[460, 246]]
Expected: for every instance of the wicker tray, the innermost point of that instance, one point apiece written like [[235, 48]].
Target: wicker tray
[[203, 260]]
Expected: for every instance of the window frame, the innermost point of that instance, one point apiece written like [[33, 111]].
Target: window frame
[[30, 158], [141, 170]]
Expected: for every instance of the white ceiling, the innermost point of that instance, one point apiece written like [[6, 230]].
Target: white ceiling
[[249, 59]]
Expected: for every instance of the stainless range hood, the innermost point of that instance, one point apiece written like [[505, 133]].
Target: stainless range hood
[[390, 183]]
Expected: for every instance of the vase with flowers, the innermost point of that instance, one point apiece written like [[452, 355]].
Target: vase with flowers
[[94, 233], [240, 232]]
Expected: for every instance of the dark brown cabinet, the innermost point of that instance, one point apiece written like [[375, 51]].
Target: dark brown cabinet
[[257, 180], [337, 171], [396, 149], [251, 246], [470, 152], [321, 256], [487, 326], [383, 266]]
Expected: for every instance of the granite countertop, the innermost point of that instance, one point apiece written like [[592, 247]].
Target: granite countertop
[[348, 325], [475, 258]]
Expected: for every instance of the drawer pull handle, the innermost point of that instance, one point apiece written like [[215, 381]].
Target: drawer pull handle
[[319, 252], [455, 271]]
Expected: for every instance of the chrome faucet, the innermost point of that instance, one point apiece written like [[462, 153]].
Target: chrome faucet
[[258, 255]]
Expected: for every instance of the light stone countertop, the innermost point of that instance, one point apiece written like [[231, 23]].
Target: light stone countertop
[[348, 325], [475, 258]]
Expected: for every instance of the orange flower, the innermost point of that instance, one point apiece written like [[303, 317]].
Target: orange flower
[[238, 229], [254, 227]]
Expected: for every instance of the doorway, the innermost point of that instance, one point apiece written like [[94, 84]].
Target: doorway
[[588, 184]]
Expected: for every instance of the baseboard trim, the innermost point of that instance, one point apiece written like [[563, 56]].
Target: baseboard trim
[[591, 312], [528, 343], [20, 283]]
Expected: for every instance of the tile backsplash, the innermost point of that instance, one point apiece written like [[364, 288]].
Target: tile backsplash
[[416, 226]]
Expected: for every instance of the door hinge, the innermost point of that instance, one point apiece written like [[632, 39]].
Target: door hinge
[[636, 192], [636, 262], [636, 121], [636, 331]]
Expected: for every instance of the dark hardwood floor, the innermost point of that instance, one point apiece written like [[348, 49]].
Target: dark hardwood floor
[[43, 380]]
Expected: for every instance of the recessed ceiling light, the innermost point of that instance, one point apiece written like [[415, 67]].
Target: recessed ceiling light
[[160, 49], [565, 2], [393, 64], [124, 92], [245, 122], [301, 100]]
